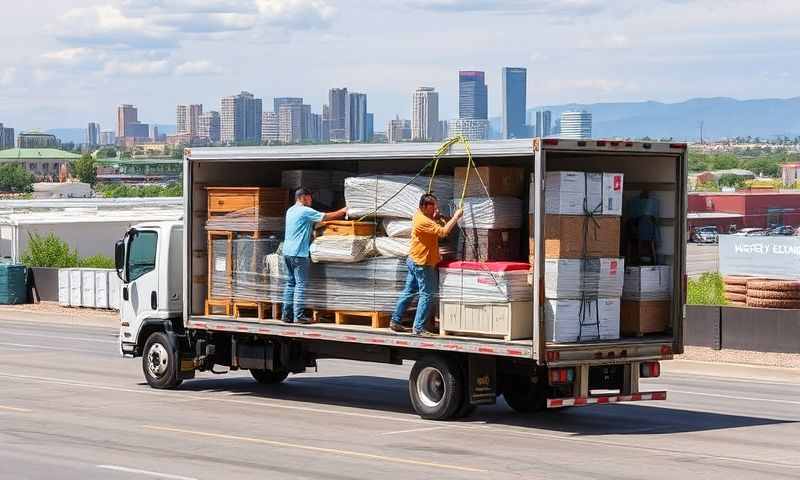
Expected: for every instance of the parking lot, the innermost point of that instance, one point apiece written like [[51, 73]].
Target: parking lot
[[702, 258]]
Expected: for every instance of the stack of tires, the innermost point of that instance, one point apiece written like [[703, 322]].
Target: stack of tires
[[736, 290], [773, 294]]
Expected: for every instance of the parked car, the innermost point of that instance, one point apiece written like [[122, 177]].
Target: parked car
[[705, 235], [751, 232], [782, 230]]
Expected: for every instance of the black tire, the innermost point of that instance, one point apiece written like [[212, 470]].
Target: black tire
[[465, 410], [160, 362], [269, 377], [524, 396], [436, 387]]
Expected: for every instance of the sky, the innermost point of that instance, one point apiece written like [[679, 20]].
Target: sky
[[68, 62]]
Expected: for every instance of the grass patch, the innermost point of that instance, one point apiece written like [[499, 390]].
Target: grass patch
[[708, 289]]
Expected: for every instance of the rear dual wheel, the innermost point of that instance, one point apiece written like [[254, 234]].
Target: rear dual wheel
[[523, 395], [438, 389]]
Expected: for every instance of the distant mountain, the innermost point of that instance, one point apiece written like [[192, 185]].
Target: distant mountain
[[721, 117]]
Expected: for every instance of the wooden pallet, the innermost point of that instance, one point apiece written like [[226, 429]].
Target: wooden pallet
[[216, 303], [323, 316], [376, 319], [261, 310]]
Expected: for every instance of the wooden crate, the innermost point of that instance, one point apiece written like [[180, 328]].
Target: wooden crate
[[264, 201], [509, 321], [376, 319], [641, 318], [346, 228]]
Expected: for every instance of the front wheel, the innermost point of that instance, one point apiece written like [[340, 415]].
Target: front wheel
[[269, 377], [436, 387], [160, 362]]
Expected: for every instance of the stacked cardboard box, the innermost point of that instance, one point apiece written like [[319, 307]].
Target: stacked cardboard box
[[583, 271], [646, 299]]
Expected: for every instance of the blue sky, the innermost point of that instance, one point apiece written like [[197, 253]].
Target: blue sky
[[69, 62]]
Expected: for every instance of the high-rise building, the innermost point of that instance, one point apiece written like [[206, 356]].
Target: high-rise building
[[137, 131], [543, 123], [269, 127], [37, 139], [473, 98], [337, 114], [107, 137], [93, 133], [240, 118], [290, 123], [195, 111], [325, 132], [209, 129], [356, 117], [6, 137], [443, 133], [154, 133], [514, 80], [472, 129], [278, 102], [188, 119], [370, 126], [126, 114], [398, 130], [306, 123], [576, 124], [182, 119], [315, 127], [425, 115]]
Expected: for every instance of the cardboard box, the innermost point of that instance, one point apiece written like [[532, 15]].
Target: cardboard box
[[500, 181], [476, 244], [564, 236], [652, 282], [574, 278], [639, 318], [565, 193], [562, 320]]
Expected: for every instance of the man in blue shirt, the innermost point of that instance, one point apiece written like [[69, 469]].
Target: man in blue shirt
[[300, 220]]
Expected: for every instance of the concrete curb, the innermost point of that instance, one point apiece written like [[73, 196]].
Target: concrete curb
[[731, 370], [59, 316]]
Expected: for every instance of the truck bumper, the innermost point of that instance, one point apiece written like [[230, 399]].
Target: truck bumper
[[603, 399]]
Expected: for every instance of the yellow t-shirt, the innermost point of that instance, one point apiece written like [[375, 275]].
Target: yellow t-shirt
[[425, 234]]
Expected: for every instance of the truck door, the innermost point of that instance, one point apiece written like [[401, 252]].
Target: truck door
[[140, 292]]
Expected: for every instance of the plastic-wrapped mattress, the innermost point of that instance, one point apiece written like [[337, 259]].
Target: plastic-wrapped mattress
[[484, 282], [341, 248], [491, 213], [389, 196]]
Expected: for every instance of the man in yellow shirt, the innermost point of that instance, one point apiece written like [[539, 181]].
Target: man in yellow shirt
[[422, 260]]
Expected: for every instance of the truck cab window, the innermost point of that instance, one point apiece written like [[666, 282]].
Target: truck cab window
[[141, 254]]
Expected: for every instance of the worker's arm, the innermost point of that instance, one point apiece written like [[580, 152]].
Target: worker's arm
[[441, 231], [448, 227], [336, 215]]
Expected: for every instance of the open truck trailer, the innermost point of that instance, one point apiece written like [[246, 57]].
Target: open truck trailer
[[165, 267]]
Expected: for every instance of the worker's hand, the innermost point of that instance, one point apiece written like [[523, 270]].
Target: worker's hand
[[458, 213]]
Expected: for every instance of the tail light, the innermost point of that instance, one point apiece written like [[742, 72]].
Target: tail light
[[649, 370], [550, 141], [561, 376]]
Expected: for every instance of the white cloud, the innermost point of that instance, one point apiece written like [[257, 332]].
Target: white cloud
[[71, 57], [199, 67], [110, 26], [540, 7], [301, 14], [137, 67], [7, 76]]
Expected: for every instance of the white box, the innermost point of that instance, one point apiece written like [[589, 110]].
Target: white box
[[510, 321], [572, 278], [562, 318], [75, 287], [652, 282], [565, 193], [87, 288], [612, 193], [63, 287], [101, 288]]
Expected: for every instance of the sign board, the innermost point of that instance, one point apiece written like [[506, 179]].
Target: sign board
[[760, 256]]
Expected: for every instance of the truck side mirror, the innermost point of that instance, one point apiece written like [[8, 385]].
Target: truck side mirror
[[119, 259]]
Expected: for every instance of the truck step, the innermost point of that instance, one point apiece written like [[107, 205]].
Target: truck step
[[375, 319]]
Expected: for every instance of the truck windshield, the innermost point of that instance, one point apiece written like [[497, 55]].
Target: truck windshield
[[141, 254]]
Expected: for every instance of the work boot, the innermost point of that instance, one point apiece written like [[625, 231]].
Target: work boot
[[425, 333], [397, 327]]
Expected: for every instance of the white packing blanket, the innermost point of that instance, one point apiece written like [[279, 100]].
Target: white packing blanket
[[572, 278], [562, 320], [364, 195], [483, 286], [397, 227], [340, 248], [392, 247], [491, 213]]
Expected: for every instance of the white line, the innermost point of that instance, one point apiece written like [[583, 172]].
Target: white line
[[15, 409], [414, 430], [732, 397], [47, 347], [12, 333], [145, 472]]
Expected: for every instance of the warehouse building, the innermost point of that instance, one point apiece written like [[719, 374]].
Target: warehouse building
[[744, 209]]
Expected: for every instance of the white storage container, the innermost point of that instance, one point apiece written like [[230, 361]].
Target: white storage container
[[114, 284], [648, 283], [87, 288], [101, 288], [510, 321], [75, 287], [562, 320], [572, 278], [63, 287], [565, 193]]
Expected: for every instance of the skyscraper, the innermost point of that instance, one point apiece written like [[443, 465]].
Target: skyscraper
[[278, 102], [398, 130], [370, 125], [93, 133], [187, 119], [356, 117], [6, 137], [107, 137], [290, 123], [209, 128], [472, 129], [514, 102], [337, 114], [325, 133], [472, 95], [182, 119], [126, 114], [315, 127], [576, 125], [425, 115], [269, 127], [543, 123], [240, 118]]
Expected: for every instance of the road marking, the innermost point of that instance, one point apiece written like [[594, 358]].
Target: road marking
[[15, 409], [47, 347], [145, 472], [733, 397], [414, 430], [334, 451], [58, 337]]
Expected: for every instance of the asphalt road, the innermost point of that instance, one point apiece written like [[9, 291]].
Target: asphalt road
[[701, 258], [70, 408]]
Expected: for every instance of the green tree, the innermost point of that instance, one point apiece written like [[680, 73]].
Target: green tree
[[14, 178], [730, 180], [84, 168], [723, 161], [48, 251]]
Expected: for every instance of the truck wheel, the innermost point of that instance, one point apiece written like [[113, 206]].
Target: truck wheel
[[159, 362], [524, 396], [269, 377], [436, 388]]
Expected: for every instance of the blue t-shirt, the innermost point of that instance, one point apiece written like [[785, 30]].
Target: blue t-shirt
[[300, 222]]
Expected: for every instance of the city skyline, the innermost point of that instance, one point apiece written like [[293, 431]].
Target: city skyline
[[130, 53]]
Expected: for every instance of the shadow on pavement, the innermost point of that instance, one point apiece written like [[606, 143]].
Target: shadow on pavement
[[391, 395]]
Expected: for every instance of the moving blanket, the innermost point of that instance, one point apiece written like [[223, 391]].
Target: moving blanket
[[340, 248], [397, 227], [393, 247], [484, 282], [364, 195], [491, 213]]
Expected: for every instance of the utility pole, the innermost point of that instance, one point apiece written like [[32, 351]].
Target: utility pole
[[701, 132]]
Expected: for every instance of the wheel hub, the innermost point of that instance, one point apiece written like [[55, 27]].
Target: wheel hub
[[431, 387], [157, 360]]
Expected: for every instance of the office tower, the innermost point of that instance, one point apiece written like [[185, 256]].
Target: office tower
[[278, 102], [398, 130], [514, 102], [306, 123], [37, 139], [337, 114], [137, 130], [325, 132], [107, 137], [443, 133], [209, 128], [182, 119], [290, 123], [154, 133], [240, 118], [472, 95], [576, 124], [547, 123], [195, 111], [93, 133], [425, 115], [6, 137], [188, 119], [269, 128], [126, 114], [314, 127], [356, 117], [472, 129], [370, 123]]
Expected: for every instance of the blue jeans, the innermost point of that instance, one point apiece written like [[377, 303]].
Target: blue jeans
[[421, 280], [296, 273]]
